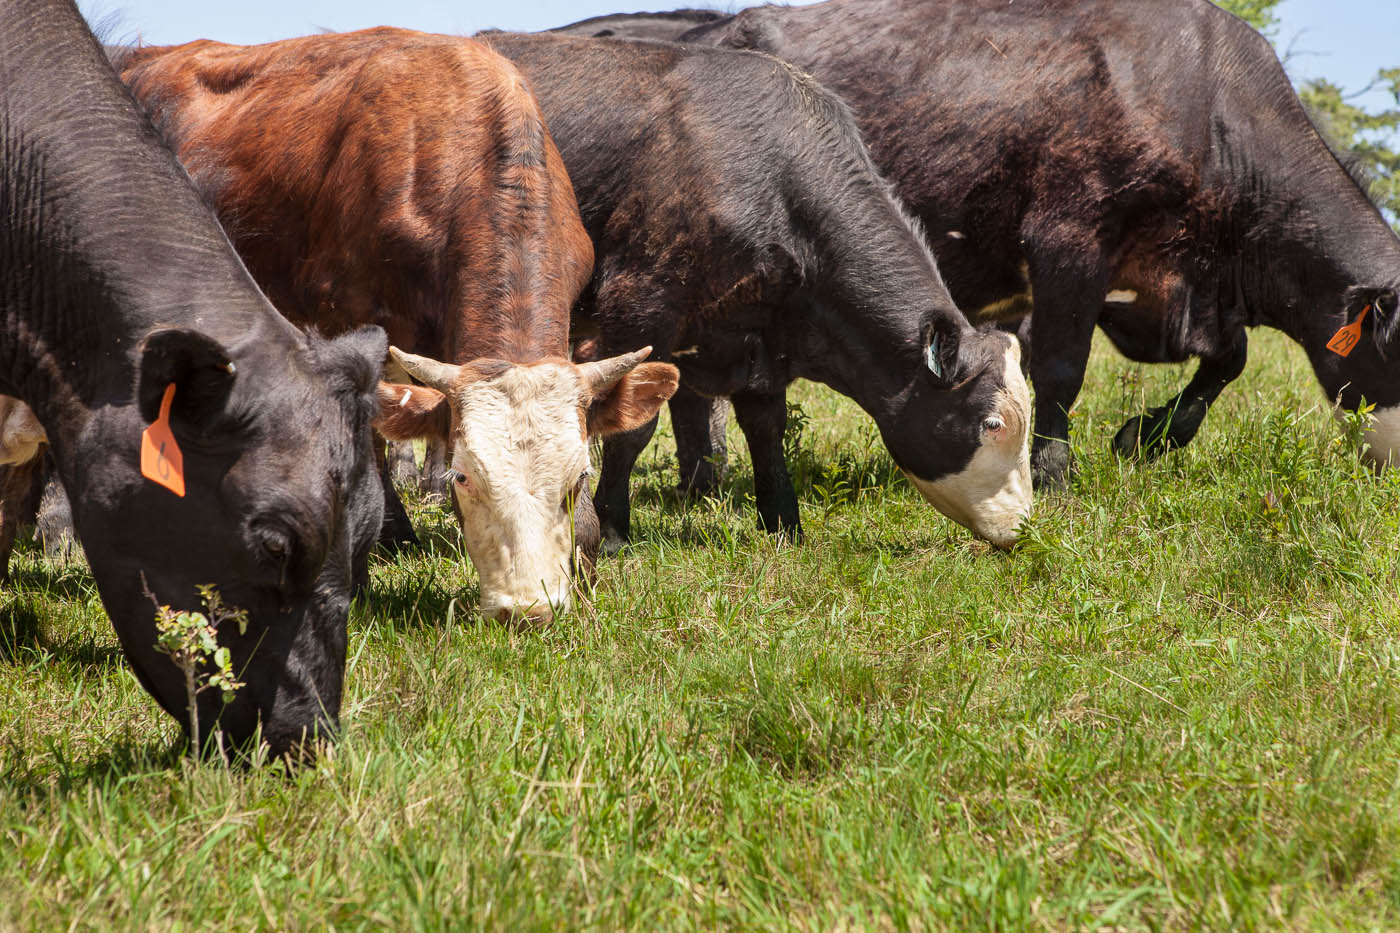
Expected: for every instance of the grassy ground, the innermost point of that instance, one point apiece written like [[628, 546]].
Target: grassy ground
[[1174, 706]]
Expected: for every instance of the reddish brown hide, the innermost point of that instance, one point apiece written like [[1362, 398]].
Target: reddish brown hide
[[383, 176]]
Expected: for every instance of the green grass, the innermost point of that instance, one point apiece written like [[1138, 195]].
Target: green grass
[[1175, 706]]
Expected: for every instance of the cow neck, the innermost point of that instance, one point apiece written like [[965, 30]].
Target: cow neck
[[516, 327], [515, 304], [872, 295], [1301, 227], [129, 248]]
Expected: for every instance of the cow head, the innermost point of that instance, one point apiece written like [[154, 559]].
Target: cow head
[[960, 426], [520, 466], [281, 505], [1356, 355], [20, 432]]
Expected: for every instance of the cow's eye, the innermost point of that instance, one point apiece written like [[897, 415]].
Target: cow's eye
[[993, 424], [274, 546]]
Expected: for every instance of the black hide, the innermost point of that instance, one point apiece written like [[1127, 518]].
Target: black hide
[[115, 283]]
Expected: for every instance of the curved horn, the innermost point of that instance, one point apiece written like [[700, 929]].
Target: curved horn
[[604, 374], [434, 375]]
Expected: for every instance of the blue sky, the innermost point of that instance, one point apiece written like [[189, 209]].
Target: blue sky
[[1343, 40]]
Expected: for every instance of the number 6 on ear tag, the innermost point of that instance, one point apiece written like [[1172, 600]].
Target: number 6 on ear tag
[[161, 460]]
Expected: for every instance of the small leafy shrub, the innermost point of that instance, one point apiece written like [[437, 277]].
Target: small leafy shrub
[[191, 640]]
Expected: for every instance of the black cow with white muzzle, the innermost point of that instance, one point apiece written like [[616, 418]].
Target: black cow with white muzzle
[[741, 230], [1139, 165]]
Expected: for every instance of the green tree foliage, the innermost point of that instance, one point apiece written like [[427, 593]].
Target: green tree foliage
[[1371, 138], [1258, 13]]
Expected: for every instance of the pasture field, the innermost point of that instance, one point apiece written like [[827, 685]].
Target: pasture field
[[1177, 704]]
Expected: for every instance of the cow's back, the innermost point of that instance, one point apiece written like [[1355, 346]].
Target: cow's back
[[697, 158], [384, 177], [1000, 121]]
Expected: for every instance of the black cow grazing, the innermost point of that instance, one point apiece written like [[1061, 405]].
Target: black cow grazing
[[741, 230], [123, 304], [1137, 164]]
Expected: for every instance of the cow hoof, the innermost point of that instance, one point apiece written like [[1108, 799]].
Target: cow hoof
[[1147, 436], [612, 543], [397, 536], [53, 524], [702, 483], [1050, 468], [1128, 442], [785, 532], [1159, 430]]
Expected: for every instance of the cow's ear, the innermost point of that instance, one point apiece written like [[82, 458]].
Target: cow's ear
[[200, 369], [407, 413], [1385, 321], [942, 344], [632, 400], [360, 355]]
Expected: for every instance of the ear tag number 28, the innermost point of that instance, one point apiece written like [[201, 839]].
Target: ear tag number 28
[[161, 460], [1347, 337]]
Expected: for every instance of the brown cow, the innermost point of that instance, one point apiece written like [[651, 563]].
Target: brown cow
[[408, 180]]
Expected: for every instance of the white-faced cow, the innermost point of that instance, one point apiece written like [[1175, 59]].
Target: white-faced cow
[[1139, 164], [742, 231], [123, 304], [408, 180]]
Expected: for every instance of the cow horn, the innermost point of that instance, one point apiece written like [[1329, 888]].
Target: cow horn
[[604, 374], [434, 375]]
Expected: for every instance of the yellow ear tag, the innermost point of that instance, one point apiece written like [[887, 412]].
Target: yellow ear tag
[[161, 460], [1346, 339]]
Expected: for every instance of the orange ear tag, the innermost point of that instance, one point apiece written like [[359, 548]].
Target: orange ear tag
[[161, 460], [1346, 339]]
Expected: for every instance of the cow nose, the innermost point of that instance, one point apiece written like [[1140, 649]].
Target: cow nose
[[534, 615]]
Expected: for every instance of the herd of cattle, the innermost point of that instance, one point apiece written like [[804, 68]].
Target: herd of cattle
[[560, 232]]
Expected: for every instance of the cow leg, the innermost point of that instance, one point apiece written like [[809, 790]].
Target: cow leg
[[434, 477], [613, 497], [396, 533], [403, 465], [1176, 423], [763, 417], [1021, 330], [54, 521], [701, 449], [1062, 332], [20, 487]]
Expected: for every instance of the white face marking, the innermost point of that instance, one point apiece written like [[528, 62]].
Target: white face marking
[[956, 235], [1121, 296], [992, 496], [1383, 435], [520, 445], [407, 397], [20, 432]]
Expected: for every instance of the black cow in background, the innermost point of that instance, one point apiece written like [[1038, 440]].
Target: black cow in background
[[122, 303], [741, 230], [1136, 164]]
